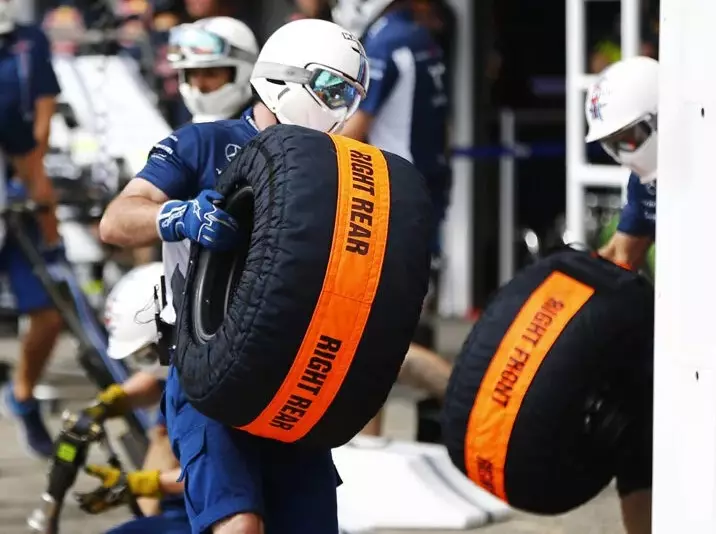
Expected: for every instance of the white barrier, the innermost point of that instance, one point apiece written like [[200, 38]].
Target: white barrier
[[408, 486]]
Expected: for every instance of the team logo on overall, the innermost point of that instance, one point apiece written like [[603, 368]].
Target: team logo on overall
[[597, 103], [231, 151]]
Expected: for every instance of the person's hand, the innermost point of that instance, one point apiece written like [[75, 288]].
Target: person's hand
[[112, 402], [117, 488], [199, 220]]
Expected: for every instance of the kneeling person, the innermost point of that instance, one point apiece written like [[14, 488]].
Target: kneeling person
[[622, 110]]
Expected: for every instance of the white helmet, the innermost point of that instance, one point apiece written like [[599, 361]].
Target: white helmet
[[129, 316], [312, 73], [208, 43], [621, 110], [7, 16], [357, 15]]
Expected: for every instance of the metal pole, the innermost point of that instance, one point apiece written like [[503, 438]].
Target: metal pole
[[576, 150], [507, 197], [630, 27], [455, 293]]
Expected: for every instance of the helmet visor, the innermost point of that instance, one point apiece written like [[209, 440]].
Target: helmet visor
[[631, 138], [192, 44], [332, 89]]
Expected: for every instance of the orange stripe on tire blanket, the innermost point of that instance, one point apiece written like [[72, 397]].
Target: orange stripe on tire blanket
[[299, 334]]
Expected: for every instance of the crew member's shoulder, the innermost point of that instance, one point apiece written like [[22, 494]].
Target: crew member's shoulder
[[32, 32], [645, 188], [203, 131], [393, 31]]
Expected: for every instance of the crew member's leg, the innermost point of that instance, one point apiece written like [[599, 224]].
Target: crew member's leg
[[634, 476], [35, 350], [299, 489], [636, 512], [220, 468]]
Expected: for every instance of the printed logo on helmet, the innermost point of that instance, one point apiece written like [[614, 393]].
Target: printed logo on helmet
[[596, 103]]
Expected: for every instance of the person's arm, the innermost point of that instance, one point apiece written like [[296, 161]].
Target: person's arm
[[130, 220], [142, 390], [626, 250], [45, 89], [18, 142], [168, 484], [383, 77], [635, 233], [31, 169], [425, 370], [44, 110]]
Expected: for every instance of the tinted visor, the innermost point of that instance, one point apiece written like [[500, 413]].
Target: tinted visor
[[196, 45], [629, 139], [189, 42], [332, 88]]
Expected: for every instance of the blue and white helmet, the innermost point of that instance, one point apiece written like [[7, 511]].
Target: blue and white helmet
[[209, 43], [129, 317], [621, 110]]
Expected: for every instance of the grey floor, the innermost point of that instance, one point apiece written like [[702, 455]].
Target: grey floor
[[22, 479]]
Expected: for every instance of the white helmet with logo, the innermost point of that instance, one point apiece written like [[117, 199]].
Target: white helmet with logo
[[209, 43], [129, 316], [7, 16], [312, 73], [357, 15], [621, 109]]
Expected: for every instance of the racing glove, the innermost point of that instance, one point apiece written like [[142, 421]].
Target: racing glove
[[112, 402], [199, 220], [117, 488]]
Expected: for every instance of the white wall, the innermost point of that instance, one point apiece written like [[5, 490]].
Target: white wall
[[685, 354]]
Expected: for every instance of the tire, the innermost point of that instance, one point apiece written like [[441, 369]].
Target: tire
[[553, 382], [290, 337]]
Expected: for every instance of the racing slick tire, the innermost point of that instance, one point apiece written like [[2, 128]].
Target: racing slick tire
[[551, 394], [299, 334]]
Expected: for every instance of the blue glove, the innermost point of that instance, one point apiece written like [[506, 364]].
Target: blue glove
[[198, 220]]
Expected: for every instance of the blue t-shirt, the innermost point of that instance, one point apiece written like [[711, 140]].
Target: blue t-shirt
[[26, 72], [189, 160], [638, 216], [407, 93]]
